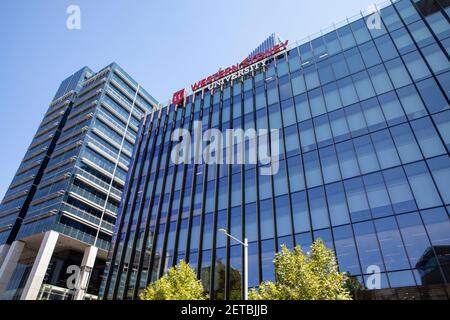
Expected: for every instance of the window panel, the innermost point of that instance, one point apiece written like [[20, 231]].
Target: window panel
[[432, 96], [283, 214], [399, 190], [380, 79], [330, 164], [332, 98], [406, 143], [323, 131], [411, 102], [392, 109], [355, 120], [428, 139], [346, 250], [316, 102], [312, 169], [442, 121], [391, 244], [422, 185], [370, 54], [416, 66], [386, 48], [266, 219], [414, 236], [319, 212], [420, 33], [367, 244], [398, 73], [300, 212], [378, 197], [366, 155], [337, 204], [347, 159], [363, 86], [302, 107], [307, 138], [354, 60], [339, 125], [373, 114], [440, 169], [296, 178], [357, 200]]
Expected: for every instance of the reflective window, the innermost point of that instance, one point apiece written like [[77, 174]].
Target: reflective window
[[414, 236], [330, 165], [296, 179], [283, 214], [346, 250], [318, 207], [440, 169], [302, 107], [443, 123], [428, 138], [380, 79], [347, 159], [373, 114], [312, 169], [392, 109], [360, 31], [354, 60], [391, 244], [420, 33], [332, 98], [339, 125], [367, 244], [422, 185], [370, 54], [337, 204], [363, 85], [355, 120], [323, 131], [316, 102], [386, 48], [399, 190], [403, 41], [379, 201], [266, 219], [366, 154], [432, 95], [416, 66], [347, 91], [300, 212], [398, 73], [357, 199], [406, 143], [411, 102]]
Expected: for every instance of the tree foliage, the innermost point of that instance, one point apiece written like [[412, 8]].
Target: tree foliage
[[179, 283], [310, 276]]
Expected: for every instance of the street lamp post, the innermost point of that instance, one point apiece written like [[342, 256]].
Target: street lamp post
[[245, 244]]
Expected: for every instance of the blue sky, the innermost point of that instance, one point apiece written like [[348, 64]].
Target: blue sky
[[164, 45]]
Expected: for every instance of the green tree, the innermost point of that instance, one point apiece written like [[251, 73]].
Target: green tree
[[179, 283], [310, 276]]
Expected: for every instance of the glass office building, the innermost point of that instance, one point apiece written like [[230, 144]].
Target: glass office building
[[364, 121], [61, 206]]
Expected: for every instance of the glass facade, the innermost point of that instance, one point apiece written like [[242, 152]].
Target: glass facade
[[72, 177], [364, 123]]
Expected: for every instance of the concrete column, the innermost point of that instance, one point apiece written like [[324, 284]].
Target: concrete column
[[3, 252], [90, 254], [40, 265], [9, 264]]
